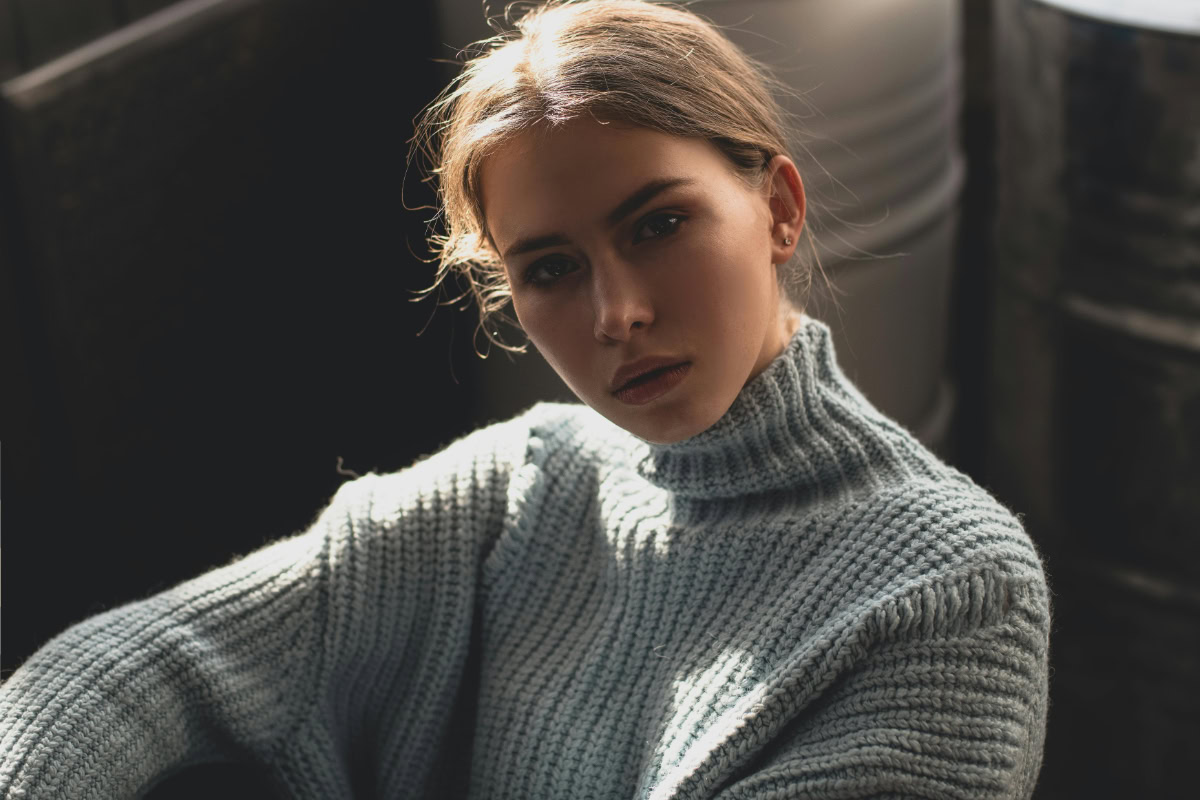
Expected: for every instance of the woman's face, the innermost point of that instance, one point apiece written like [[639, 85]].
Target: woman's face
[[643, 268]]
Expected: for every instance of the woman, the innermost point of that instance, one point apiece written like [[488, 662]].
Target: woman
[[726, 575]]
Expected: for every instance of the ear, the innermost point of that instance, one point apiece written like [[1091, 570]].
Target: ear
[[785, 198]]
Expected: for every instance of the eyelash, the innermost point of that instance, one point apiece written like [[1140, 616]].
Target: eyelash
[[531, 273]]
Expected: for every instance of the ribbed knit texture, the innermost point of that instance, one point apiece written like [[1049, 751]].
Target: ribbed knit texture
[[799, 602]]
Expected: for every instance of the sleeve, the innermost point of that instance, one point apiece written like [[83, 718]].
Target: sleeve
[[286, 657], [949, 700]]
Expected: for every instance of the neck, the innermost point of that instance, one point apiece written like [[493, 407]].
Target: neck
[[786, 324]]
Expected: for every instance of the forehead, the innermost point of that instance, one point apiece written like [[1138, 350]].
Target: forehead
[[573, 175]]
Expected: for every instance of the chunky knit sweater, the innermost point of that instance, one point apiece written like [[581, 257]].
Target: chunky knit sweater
[[800, 601]]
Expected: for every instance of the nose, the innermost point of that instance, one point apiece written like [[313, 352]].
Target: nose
[[621, 301]]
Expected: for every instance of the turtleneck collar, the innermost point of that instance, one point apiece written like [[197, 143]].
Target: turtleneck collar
[[800, 425]]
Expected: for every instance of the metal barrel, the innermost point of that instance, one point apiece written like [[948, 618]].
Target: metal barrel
[[1094, 431]]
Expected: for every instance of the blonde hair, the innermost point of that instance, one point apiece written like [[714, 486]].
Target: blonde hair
[[645, 64]]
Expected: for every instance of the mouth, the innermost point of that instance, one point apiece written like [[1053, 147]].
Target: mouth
[[652, 383]]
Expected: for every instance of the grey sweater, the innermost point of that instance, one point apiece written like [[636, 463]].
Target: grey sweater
[[799, 602]]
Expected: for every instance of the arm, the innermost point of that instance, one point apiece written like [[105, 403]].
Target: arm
[[950, 702], [280, 657]]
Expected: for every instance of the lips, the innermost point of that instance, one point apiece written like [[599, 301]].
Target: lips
[[636, 371], [648, 379]]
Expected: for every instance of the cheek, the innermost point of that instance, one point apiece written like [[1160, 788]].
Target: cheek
[[727, 276], [539, 315], [553, 325]]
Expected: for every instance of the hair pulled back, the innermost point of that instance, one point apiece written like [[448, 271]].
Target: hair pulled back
[[645, 64]]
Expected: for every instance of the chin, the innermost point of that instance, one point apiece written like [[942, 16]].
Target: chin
[[671, 428], [669, 419], [659, 438]]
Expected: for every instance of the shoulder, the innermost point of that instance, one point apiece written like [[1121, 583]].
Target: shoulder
[[947, 519], [572, 436], [937, 556], [484, 461]]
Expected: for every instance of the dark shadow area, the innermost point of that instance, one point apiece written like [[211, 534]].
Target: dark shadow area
[[208, 272], [206, 781]]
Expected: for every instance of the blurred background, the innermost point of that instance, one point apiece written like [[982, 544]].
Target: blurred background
[[208, 259]]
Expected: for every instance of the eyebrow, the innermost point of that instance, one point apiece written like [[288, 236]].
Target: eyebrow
[[626, 207]]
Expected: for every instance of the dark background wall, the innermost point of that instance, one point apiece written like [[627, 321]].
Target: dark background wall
[[206, 276]]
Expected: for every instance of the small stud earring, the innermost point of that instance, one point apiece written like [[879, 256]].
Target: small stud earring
[[787, 241]]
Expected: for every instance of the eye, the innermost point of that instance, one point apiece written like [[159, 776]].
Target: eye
[[547, 270], [657, 226]]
